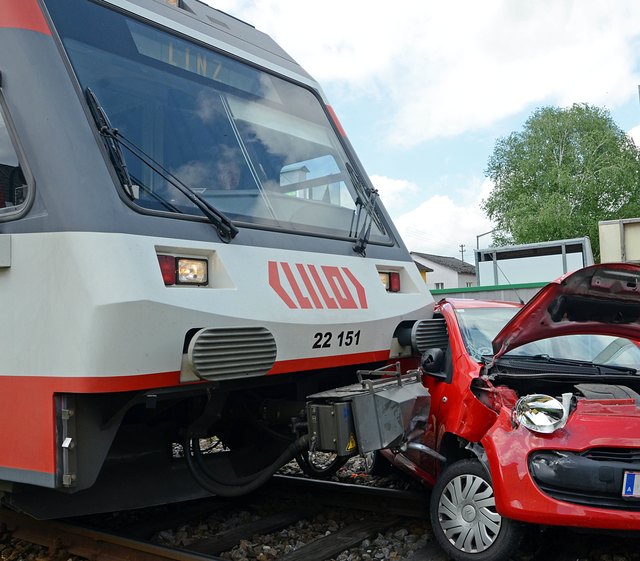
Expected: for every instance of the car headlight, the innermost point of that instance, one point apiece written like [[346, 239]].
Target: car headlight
[[542, 413]]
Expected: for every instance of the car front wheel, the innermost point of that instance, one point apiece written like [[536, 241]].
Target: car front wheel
[[464, 517]]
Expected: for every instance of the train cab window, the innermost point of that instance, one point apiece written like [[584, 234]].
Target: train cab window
[[13, 186], [255, 146]]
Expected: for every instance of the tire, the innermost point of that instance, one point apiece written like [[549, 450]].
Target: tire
[[464, 517]]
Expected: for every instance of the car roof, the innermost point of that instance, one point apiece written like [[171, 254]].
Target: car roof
[[466, 303]]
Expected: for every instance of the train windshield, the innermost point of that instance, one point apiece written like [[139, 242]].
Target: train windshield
[[258, 148]]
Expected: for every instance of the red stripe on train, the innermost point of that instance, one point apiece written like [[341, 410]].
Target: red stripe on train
[[23, 14], [27, 411], [301, 364]]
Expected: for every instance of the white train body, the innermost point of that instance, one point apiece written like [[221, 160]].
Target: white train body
[[277, 289]]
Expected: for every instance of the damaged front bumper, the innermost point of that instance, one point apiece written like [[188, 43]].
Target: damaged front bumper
[[576, 476], [598, 477]]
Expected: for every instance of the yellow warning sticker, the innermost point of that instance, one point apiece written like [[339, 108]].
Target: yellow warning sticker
[[352, 443]]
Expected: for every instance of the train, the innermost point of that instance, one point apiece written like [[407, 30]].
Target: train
[[189, 246]]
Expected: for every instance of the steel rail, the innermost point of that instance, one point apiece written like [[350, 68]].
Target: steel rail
[[93, 544], [412, 504]]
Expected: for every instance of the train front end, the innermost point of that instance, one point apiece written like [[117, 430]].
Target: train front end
[[188, 248]]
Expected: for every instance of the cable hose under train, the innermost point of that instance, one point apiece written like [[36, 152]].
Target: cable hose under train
[[242, 485], [236, 481], [219, 478]]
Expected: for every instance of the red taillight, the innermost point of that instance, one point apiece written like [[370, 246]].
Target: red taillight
[[168, 269], [390, 280], [394, 282]]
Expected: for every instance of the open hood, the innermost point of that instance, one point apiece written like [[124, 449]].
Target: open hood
[[602, 299]]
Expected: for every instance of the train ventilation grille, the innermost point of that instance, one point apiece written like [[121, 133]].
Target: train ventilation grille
[[232, 352], [429, 334]]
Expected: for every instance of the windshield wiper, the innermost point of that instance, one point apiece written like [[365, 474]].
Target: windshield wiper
[[575, 366], [224, 226], [366, 200], [113, 147], [152, 194], [114, 140]]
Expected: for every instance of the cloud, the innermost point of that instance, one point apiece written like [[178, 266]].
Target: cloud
[[442, 69], [397, 195], [441, 224]]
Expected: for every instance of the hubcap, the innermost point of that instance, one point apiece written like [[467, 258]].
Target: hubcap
[[467, 514]]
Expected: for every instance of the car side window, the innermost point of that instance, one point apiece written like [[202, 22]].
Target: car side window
[[13, 185]]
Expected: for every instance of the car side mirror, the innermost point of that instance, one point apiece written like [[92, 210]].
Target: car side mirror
[[433, 362]]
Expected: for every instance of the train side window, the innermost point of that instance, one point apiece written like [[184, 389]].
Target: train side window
[[13, 185]]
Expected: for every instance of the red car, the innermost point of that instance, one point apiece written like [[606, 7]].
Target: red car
[[536, 412]]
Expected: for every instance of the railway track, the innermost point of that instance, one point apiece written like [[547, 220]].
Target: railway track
[[89, 543], [366, 512]]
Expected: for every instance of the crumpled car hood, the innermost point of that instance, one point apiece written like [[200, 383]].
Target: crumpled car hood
[[600, 299]]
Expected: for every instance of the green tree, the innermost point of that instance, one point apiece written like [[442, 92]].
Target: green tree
[[565, 171]]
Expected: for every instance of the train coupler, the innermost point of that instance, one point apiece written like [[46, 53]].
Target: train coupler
[[385, 409]]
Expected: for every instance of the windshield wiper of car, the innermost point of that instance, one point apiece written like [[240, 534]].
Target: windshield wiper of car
[[566, 366], [366, 201], [114, 140]]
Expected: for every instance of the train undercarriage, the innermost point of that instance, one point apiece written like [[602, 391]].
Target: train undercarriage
[[227, 439]]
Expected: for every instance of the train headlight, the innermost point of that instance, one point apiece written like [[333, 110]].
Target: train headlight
[[191, 271], [183, 270]]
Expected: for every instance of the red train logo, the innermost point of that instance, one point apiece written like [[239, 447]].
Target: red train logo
[[317, 287]]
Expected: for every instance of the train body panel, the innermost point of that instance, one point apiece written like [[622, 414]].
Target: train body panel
[[105, 295], [186, 239]]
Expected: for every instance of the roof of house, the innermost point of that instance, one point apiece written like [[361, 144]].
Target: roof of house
[[453, 263], [423, 268]]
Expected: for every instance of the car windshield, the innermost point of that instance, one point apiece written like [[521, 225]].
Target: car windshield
[[479, 326], [256, 147], [598, 349]]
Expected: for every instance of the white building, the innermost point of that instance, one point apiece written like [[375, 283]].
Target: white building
[[447, 272]]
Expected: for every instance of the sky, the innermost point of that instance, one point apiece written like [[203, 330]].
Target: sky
[[424, 89]]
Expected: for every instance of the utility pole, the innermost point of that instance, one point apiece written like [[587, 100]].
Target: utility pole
[[462, 250]]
